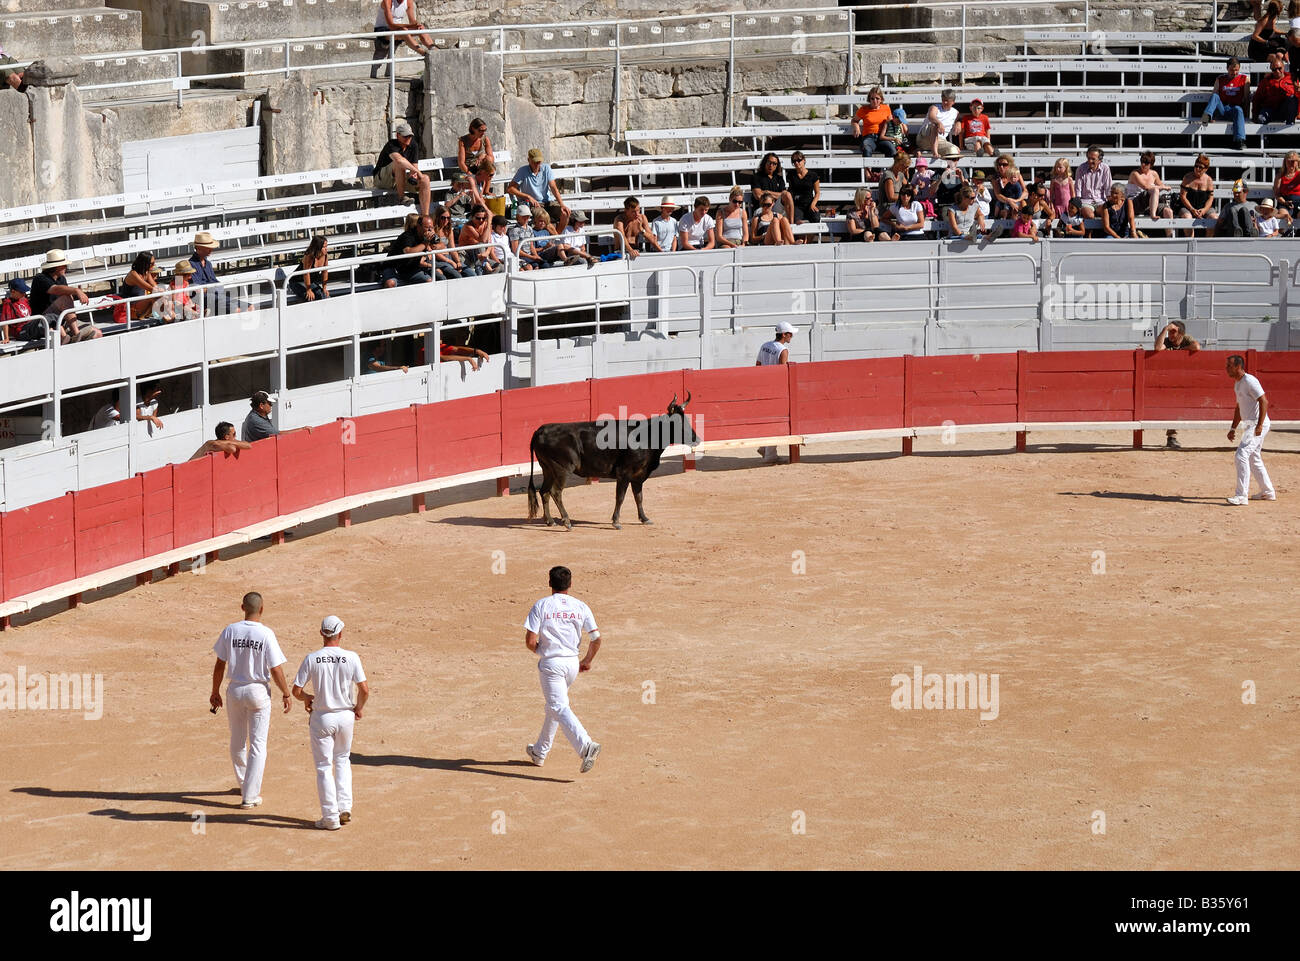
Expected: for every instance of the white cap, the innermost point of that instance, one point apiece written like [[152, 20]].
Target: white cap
[[331, 626], [785, 327]]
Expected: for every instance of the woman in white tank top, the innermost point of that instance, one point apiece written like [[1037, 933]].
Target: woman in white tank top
[[393, 15]]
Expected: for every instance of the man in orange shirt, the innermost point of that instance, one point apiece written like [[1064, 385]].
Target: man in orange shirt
[[869, 124]]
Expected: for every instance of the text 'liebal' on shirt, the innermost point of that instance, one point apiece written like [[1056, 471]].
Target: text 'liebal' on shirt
[[559, 621]]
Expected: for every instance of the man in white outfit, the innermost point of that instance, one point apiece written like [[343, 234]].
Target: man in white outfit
[[1252, 415], [553, 632], [775, 352], [331, 672], [249, 650]]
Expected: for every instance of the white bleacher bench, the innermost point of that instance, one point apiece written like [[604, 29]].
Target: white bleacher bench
[[1104, 67], [1135, 38], [757, 132]]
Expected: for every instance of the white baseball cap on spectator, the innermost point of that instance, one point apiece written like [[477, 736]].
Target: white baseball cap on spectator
[[785, 327], [331, 626]]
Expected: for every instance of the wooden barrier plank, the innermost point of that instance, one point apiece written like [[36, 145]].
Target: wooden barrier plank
[[964, 389], [639, 394], [846, 395], [739, 402], [39, 546], [192, 501], [379, 450], [523, 411], [309, 466], [458, 436], [159, 510], [109, 525], [244, 487]]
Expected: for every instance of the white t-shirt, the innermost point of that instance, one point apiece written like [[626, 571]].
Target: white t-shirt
[[907, 216], [770, 353], [331, 673], [1268, 226], [106, 416], [399, 15], [1249, 391], [664, 229], [983, 199], [696, 230], [946, 119], [558, 621], [574, 238], [502, 243], [250, 651]]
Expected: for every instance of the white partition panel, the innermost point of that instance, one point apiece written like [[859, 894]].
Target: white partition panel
[[331, 318], [457, 380], [39, 474], [102, 456], [90, 362], [166, 347], [237, 335], [319, 404], [390, 390], [29, 374], [181, 436]]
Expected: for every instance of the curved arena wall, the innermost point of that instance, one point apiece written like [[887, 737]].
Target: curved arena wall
[[83, 540]]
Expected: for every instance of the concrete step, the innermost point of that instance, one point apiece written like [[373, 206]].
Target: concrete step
[[31, 36], [39, 6], [178, 23], [302, 57], [150, 74]]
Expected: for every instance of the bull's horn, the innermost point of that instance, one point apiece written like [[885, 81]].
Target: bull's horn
[[687, 400], [673, 402]]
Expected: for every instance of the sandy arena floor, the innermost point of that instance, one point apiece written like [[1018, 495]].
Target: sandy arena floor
[[1119, 692]]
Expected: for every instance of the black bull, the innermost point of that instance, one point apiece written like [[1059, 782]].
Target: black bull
[[627, 451]]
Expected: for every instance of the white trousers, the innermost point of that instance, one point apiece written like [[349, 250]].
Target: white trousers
[[1249, 460], [331, 747], [557, 674], [249, 709]]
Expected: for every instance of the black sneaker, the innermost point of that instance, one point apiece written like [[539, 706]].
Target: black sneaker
[[1172, 442]]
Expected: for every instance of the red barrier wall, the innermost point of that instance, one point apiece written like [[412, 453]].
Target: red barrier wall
[[523, 411], [309, 466], [159, 511], [379, 451], [109, 521], [740, 402], [458, 436], [963, 388], [39, 546], [174, 507], [846, 395], [1076, 386]]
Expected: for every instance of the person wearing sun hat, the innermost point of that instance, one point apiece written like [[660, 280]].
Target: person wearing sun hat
[[177, 305], [52, 295], [1266, 219], [664, 227]]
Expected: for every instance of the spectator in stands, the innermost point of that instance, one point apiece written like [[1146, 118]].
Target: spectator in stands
[[1286, 186], [863, 222], [945, 188], [204, 245], [51, 295], [633, 227], [1071, 224], [410, 270], [923, 182], [768, 179], [976, 130], [487, 169], [1144, 184], [767, 227], [695, 229], [500, 254], [534, 182], [140, 280], [1173, 336], [225, 443], [732, 227], [13, 76], [893, 179], [964, 217], [436, 232], [1266, 39], [463, 198], [663, 228], [377, 362], [1039, 203], [983, 195], [1275, 97], [1092, 181], [519, 234], [805, 191], [1230, 99], [869, 124], [1237, 218], [257, 425], [1008, 188], [1117, 214], [1266, 219], [939, 122], [473, 148], [471, 355], [1024, 226], [397, 167], [1293, 38], [146, 410], [1061, 188], [394, 16], [1196, 192], [14, 311], [553, 252], [478, 230], [575, 241], [311, 282], [906, 217], [177, 305]]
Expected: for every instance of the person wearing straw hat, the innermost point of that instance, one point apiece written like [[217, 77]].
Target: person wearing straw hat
[[52, 295], [204, 245], [1266, 219], [663, 229], [176, 303]]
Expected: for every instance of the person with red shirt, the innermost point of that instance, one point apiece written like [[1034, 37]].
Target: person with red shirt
[[1230, 97], [1286, 186], [869, 124], [1275, 97], [976, 130], [15, 308]]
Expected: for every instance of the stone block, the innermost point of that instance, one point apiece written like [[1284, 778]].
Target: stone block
[[772, 75], [693, 81], [18, 185], [527, 126], [663, 114], [461, 84], [554, 87], [654, 82], [582, 119], [598, 85]]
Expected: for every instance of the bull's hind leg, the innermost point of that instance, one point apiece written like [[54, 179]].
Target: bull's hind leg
[[547, 484], [640, 511], [557, 493], [618, 501]]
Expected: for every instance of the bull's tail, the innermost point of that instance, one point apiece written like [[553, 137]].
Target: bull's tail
[[533, 505]]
